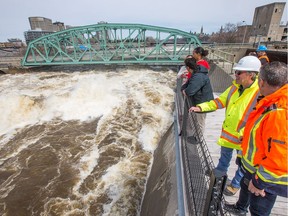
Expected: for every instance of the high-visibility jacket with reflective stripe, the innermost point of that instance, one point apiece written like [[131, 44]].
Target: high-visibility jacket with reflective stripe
[[238, 108], [264, 145]]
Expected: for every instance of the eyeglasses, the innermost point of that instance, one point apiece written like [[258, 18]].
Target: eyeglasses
[[239, 72]]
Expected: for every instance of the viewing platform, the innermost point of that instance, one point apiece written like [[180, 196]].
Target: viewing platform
[[214, 122]]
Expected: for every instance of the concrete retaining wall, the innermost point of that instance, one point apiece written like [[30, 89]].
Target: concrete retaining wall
[[160, 198]]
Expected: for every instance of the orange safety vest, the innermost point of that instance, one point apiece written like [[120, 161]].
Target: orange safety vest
[[265, 143], [264, 57]]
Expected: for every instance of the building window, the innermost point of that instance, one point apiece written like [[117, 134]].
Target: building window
[[276, 10]]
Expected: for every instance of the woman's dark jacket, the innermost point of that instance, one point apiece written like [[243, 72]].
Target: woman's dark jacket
[[198, 87]]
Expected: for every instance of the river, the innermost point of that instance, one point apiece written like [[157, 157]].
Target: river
[[80, 143]]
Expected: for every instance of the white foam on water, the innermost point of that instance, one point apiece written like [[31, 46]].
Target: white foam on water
[[81, 96], [91, 96], [76, 96], [17, 111], [114, 183], [86, 166], [155, 100], [148, 138]]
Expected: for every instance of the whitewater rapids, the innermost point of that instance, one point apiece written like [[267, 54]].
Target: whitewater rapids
[[80, 143]]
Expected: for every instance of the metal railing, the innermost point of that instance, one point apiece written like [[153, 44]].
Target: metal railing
[[223, 59], [203, 189]]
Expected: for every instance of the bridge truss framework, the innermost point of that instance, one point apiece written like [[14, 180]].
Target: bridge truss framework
[[110, 43]]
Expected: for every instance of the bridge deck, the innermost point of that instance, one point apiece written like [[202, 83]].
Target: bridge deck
[[212, 133]]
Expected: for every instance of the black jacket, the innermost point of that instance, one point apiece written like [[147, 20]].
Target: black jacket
[[198, 88]]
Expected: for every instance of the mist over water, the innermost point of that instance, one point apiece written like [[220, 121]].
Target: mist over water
[[80, 143]]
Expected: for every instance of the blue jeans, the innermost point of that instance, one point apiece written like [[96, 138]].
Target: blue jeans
[[224, 163], [261, 206]]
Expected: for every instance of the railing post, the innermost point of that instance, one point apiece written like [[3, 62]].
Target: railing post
[[233, 62], [215, 194], [180, 194]]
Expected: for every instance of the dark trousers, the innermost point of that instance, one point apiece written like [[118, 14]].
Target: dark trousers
[[259, 205]]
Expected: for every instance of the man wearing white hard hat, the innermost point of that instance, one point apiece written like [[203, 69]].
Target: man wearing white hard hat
[[239, 100]]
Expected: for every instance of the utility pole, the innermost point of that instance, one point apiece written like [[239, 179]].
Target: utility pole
[[244, 32], [254, 44], [259, 39]]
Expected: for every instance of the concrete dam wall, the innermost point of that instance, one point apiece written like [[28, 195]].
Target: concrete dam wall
[[161, 190]]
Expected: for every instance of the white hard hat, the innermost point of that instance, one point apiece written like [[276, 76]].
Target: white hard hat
[[248, 63]]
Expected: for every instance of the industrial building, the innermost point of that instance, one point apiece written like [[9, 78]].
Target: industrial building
[[266, 25], [267, 22], [41, 26], [32, 35], [58, 26]]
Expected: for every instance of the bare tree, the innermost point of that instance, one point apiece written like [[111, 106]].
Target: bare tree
[[228, 34]]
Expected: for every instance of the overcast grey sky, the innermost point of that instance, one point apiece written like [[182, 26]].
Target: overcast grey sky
[[187, 15]]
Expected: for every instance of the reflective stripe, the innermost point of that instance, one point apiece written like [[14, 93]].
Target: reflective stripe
[[247, 160], [248, 110], [231, 92], [239, 153], [268, 176], [241, 124], [278, 141], [218, 103], [248, 166], [229, 137], [251, 147]]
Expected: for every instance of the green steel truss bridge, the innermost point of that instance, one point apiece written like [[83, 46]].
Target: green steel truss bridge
[[110, 43]]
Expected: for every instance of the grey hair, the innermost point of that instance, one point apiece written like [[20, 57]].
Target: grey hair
[[275, 74], [254, 75]]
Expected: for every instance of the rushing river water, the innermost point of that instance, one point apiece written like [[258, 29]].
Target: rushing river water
[[80, 143]]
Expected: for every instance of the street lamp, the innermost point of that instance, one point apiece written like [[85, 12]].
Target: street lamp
[[244, 32], [254, 44]]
